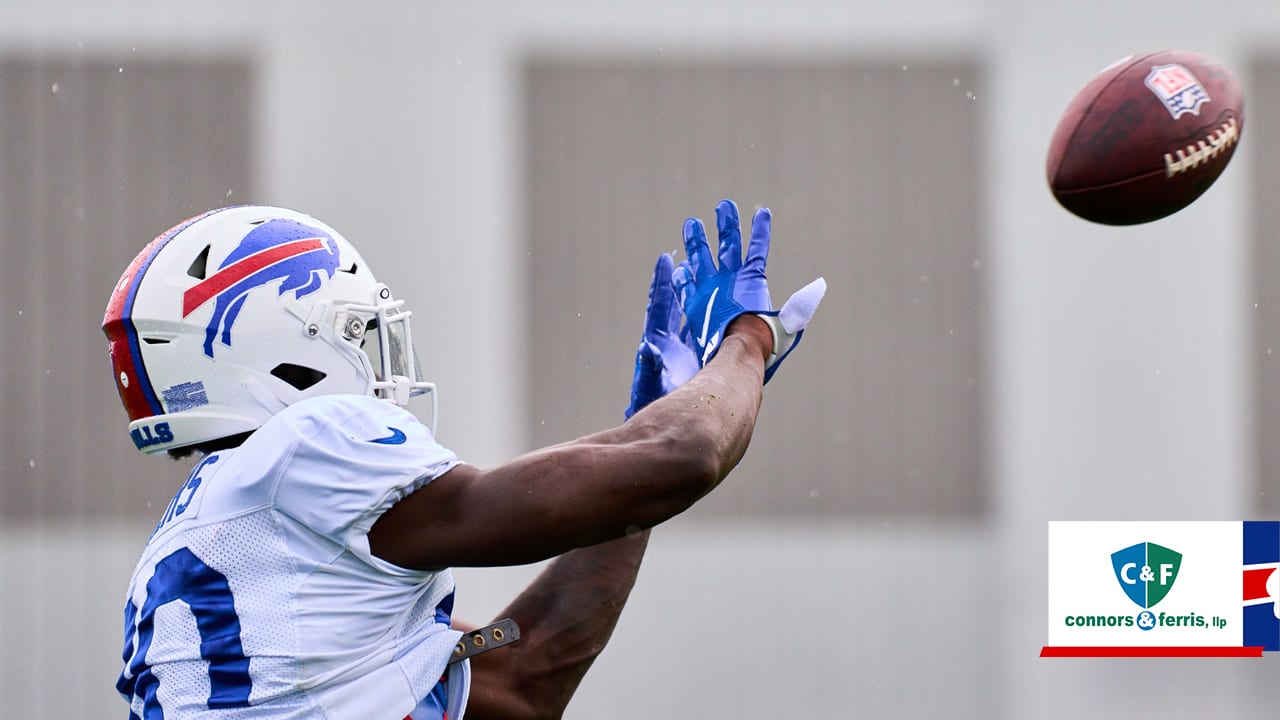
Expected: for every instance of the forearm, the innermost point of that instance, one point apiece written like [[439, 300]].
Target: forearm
[[569, 612], [714, 413], [593, 489], [566, 617]]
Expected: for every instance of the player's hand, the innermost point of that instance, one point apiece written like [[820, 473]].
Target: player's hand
[[713, 296], [663, 361]]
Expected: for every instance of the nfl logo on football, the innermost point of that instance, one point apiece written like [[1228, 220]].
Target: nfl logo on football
[[1178, 89]]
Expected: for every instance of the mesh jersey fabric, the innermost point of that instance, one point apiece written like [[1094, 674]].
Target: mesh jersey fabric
[[257, 595]]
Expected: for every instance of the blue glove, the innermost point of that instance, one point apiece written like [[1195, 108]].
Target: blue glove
[[664, 361], [713, 296]]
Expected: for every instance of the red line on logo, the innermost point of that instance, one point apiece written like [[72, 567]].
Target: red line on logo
[[200, 293], [1255, 583], [1177, 651]]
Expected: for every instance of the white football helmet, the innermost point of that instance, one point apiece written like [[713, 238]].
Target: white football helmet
[[232, 315]]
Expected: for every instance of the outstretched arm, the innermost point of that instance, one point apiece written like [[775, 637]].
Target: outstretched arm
[[593, 489], [600, 493], [634, 476]]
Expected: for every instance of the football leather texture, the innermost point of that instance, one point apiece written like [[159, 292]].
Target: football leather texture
[[1145, 137]]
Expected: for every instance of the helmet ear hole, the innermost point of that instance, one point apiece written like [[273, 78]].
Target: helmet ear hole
[[298, 376]]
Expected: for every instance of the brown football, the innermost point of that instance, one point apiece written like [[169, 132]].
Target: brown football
[[1145, 137]]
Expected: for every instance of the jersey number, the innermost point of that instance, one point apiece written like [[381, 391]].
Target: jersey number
[[183, 576]]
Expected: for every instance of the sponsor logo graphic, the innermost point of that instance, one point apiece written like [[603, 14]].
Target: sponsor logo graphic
[[1146, 572], [1260, 584], [301, 258], [1188, 600], [1178, 89]]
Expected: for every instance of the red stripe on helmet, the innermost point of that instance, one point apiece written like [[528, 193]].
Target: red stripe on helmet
[[208, 288], [131, 378]]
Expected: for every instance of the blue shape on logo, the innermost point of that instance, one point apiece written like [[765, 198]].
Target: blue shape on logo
[[1146, 620], [1187, 101], [397, 437], [1127, 563], [1261, 542], [1261, 627]]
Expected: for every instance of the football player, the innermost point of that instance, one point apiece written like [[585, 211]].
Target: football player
[[302, 569]]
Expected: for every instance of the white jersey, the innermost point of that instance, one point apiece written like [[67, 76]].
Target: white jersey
[[257, 595]]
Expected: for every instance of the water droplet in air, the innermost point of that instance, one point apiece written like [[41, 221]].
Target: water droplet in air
[[54, 88]]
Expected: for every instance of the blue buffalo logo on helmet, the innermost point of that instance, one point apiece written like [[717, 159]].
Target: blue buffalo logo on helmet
[[302, 257]]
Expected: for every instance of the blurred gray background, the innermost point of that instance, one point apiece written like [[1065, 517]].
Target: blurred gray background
[[984, 362]]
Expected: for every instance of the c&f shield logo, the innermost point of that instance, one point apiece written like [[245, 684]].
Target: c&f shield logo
[[1146, 572]]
